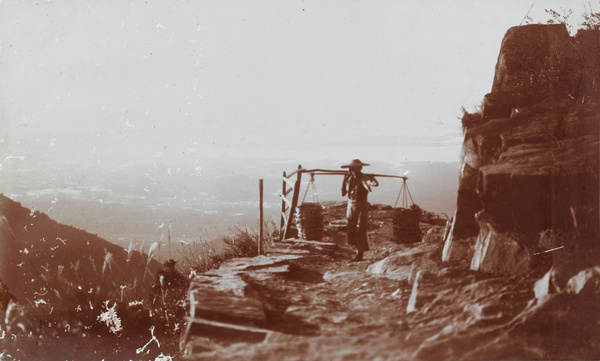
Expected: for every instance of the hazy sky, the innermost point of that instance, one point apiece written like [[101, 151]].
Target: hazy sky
[[377, 80]]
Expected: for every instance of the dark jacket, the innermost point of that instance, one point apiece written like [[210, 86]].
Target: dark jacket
[[358, 186]]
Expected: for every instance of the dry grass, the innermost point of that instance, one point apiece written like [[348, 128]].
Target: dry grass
[[112, 319], [471, 119], [243, 242], [117, 321], [200, 256]]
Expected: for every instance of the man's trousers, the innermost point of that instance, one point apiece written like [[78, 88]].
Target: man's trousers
[[358, 222]]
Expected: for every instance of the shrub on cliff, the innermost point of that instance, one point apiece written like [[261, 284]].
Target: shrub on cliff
[[470, 120], [244, 241], [199, 257], [591, 19], [169, 294]]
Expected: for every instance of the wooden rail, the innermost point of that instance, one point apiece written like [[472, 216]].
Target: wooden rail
[[288, 207], [340, 172]]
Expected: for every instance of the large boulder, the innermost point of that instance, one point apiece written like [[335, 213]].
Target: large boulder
[[538, 62], [534, 61]]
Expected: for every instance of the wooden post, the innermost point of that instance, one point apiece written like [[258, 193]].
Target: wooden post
[[169, 240], [283, 195], [260, 208], [294, 202]]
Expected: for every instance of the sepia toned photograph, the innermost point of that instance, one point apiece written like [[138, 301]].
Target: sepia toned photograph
[[327, 180]]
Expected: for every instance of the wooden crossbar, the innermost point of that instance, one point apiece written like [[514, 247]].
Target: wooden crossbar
[[294, 173], [342, 172]]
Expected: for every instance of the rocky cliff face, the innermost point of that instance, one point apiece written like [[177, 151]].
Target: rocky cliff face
[[529, 178]]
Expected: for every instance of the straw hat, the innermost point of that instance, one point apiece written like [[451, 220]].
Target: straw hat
[[356, 163]]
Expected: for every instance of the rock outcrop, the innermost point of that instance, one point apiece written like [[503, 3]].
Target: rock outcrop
[[531, 165], [303, 299]]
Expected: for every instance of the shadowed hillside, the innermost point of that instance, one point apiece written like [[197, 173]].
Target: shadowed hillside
[[37, 251], [65, 293]]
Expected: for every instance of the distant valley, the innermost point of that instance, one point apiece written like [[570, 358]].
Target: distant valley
[[138, 202]]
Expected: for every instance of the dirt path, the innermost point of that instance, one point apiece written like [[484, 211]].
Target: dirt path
[[336, 309]]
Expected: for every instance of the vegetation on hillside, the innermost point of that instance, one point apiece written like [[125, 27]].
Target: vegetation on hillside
[[110, 320], [591, 19], [471, 118]]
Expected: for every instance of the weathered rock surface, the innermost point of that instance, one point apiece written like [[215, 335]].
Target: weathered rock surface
[[401, 264], [233, 304], [401, 303], [458, 250], [534, 63], [531, 167], [497, 252], [569, 278]]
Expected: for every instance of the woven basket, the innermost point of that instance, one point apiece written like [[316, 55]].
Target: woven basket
[[406, 225], [309, 220]]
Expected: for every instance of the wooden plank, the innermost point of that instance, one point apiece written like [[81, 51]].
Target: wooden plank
[[325, 245], [289, 181], [287, 201], [324, 171], [284, 217], [224, 332], [287, 191]]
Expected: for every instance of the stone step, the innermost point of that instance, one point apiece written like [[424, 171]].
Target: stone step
[[229, 305], [224, 333], [214, 305]]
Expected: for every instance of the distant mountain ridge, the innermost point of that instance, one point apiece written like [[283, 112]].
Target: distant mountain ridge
[[138, 201]]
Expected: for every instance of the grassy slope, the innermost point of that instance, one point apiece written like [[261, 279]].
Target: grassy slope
[[37, 250], [76, 295]]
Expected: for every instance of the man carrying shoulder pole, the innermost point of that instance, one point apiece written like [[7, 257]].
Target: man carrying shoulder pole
[[357, 186]]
